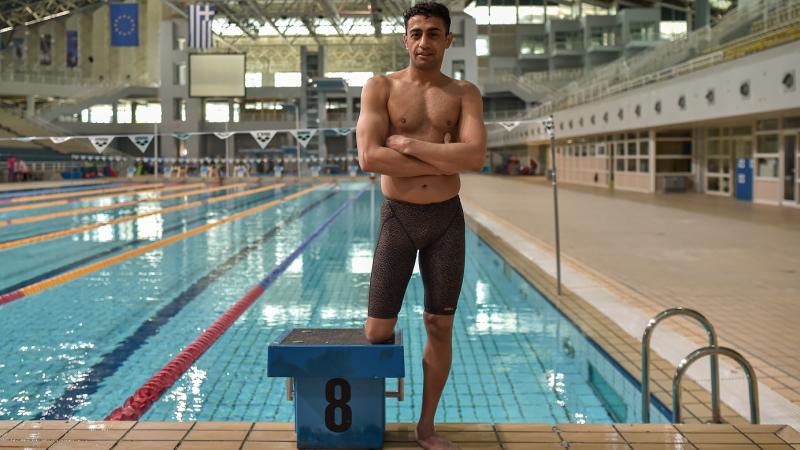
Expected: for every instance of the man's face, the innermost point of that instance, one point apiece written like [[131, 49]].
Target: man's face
[[426, 40]]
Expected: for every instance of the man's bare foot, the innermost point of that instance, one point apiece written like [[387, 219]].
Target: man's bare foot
[[433, 441]]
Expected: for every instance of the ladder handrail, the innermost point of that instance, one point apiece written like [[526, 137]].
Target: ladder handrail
[[712, 342], [714, 351]]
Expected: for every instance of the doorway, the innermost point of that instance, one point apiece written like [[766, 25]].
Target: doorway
[[790, 168]]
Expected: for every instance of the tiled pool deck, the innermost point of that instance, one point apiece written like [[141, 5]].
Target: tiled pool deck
[[627, 256], [256, 436], [498, 211]]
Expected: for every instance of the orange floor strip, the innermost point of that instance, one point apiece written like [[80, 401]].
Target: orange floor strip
[[95, 197], [91, 209], [77, 273], [36, 198], [91, 226]]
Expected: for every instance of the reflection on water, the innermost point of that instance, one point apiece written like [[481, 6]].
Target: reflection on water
[[360, 257], [188, 402]]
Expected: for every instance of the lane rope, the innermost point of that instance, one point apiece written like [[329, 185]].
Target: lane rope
[[91, 209], [40, 286], [96, 197], [33, 192], [124, 245], [36, 198], [91, 226], [77, 393], [144, 397]]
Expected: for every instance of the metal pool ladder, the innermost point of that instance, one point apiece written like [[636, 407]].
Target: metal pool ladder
[[712, 350]]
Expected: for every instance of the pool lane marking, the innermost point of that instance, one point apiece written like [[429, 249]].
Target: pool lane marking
[[36, 192], [150, 189], [76, 192], [40, 286], [36, 198], [77, 393], [123, 246], [144, 397], [91, 226], [91, 209]]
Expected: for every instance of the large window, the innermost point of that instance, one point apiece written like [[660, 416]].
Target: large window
[[124, 113], [508, 14], [482, 46], [217, 112], [101, 114], [533, 45], [631, 152], [253, 79], [603, 37], [288, 79], [643, 31], [674, 152], [767, 155], [148, 113], [567, 40], [352, 78]]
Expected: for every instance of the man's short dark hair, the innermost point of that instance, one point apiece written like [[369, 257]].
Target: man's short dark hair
[[428, 9]]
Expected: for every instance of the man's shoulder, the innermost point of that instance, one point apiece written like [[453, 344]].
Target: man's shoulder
[[466, 87], [384, 81]]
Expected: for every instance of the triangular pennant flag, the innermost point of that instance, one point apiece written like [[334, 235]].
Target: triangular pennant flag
[[509, 125], [141, 141], [223, 134], [100, 142], [262, 137], [343, 131], [61, 139], [303, 136], [182, 136]]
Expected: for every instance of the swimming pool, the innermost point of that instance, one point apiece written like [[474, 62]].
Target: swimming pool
[[80, 347]]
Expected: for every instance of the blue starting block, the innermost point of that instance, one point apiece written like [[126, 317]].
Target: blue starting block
[[337, 381]]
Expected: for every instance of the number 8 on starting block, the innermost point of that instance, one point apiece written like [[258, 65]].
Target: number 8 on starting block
[[337, 382]]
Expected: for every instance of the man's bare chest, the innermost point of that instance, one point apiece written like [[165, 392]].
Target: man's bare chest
[[423, 112]]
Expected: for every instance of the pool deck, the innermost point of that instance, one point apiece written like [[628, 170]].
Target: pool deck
[[257, 436], [627, 256]]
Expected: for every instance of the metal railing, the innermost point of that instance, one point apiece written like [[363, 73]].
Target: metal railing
[[37, 77], [714, 351], [658, 63], [712, 342]]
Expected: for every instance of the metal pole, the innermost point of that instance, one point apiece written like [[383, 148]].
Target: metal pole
[[550, 127], [296, 140], [155, 150], [227, 153]]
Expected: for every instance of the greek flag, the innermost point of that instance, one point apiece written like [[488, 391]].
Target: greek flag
[[200, 16]]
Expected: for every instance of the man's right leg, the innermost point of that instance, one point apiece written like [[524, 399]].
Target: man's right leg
[[392, 265]]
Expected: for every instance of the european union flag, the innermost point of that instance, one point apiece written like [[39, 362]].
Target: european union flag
[[124, 24]]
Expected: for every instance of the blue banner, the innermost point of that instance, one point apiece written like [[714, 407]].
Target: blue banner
[[19, 49], [72, 49], [124, 24], [45, 49]]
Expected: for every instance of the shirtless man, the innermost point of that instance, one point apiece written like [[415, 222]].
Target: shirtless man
[[419, 129]]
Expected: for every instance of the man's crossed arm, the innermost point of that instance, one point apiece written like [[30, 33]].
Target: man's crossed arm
[[468, 154], [401, 156]]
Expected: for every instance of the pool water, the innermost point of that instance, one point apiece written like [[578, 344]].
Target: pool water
[[80, 348]]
